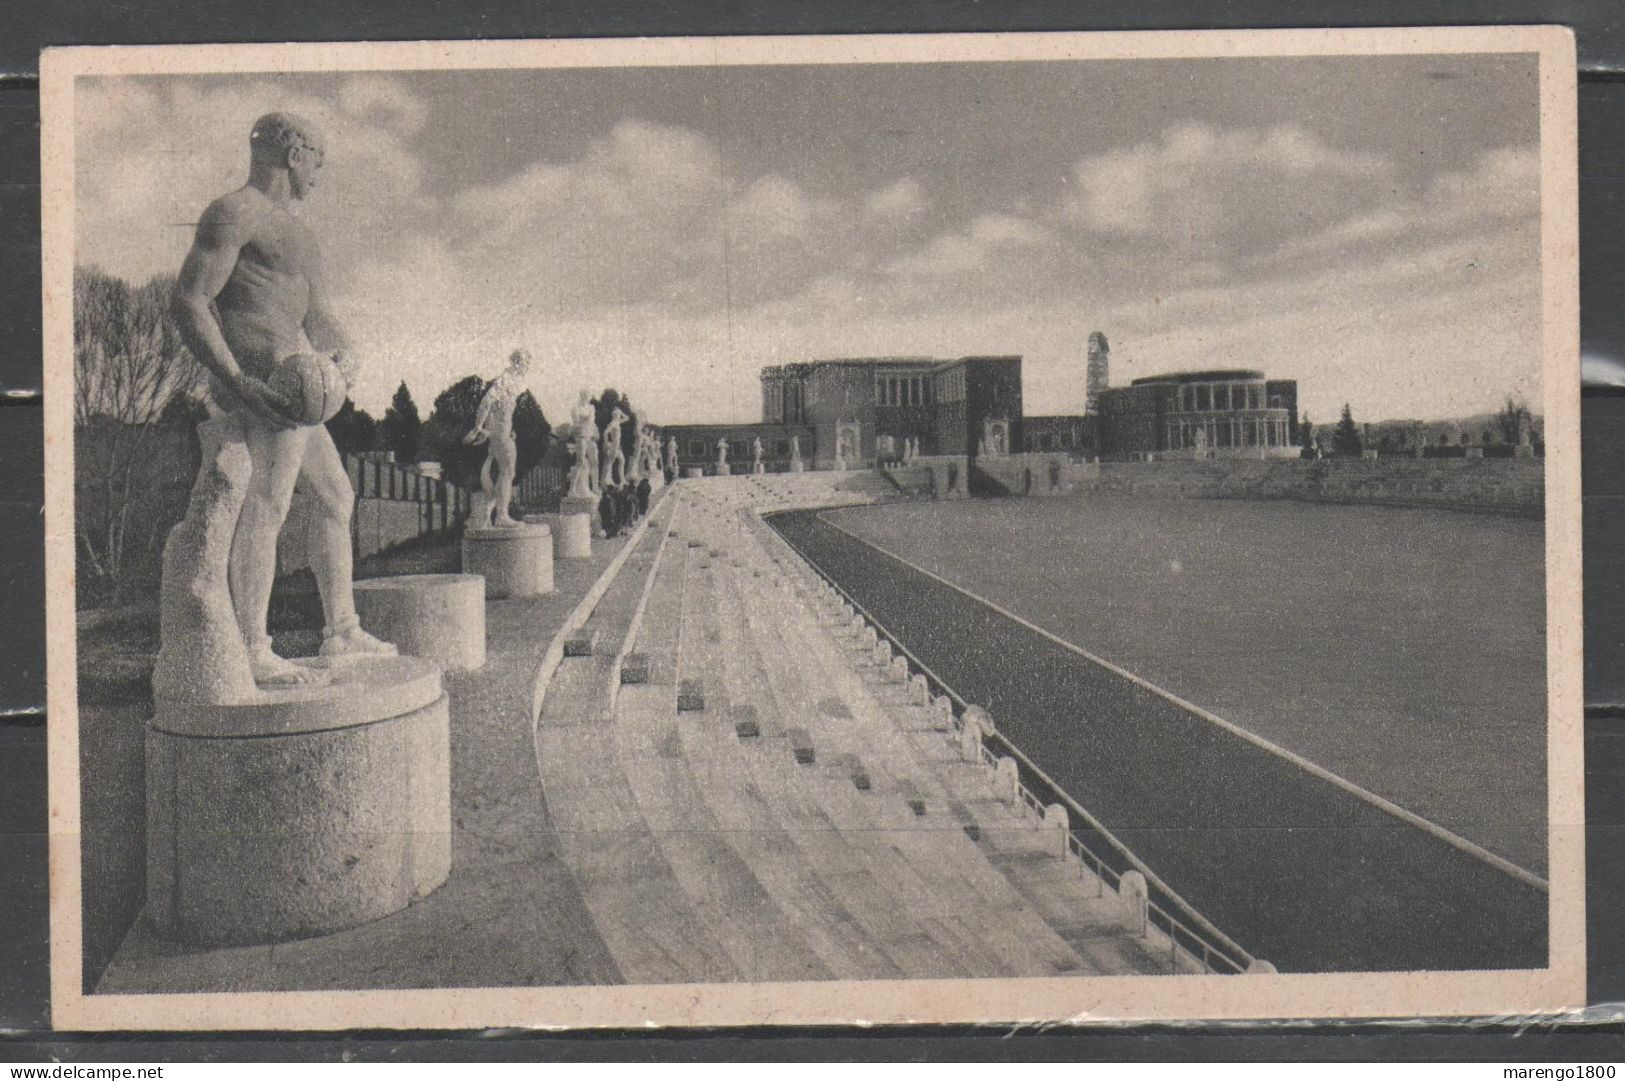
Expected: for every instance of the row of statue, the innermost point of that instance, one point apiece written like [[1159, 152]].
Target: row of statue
[[251, 303], [600, 457]]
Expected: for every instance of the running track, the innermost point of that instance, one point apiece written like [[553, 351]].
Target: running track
[[1296, 869]]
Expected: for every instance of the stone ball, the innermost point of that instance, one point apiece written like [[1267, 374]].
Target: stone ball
[[312, 385]]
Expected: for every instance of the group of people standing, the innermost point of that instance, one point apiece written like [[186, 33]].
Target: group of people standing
[[622, 505]]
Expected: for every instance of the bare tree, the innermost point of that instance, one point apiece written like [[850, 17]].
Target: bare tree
[[129, 366]]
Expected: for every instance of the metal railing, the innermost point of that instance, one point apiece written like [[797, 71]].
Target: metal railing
[[441, 503], [1188, 931]]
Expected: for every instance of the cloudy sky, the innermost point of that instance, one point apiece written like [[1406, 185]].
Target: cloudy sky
[[1366, 225]]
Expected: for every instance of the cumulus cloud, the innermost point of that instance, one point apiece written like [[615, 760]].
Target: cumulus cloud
[[774, 208], [962, 251], [1239, 187], [646, 257], [150, 158], [903, 199]]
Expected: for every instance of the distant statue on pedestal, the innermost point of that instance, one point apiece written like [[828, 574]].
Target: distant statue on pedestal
[[585, 481], [848, 443], [672, 457], [613, 455], [1526, 439], [995, 437], [251, 303], [756, 455], [493, 424], [1201, 442], [640, 452], [582, 473], [795, 450], [722, 456]]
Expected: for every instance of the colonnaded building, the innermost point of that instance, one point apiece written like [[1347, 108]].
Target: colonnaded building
[[861, 411]]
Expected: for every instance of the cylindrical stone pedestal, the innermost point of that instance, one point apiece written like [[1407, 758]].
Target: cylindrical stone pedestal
[[306, 811], [437, 616], [693, 471], [587, 505], [575, 536], [515, 561]]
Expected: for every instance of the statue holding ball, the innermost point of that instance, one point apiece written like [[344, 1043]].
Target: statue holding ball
[[252, 304], [493, 424]]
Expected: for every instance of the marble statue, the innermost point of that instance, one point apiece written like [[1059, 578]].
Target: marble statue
[[998, 434], [651, 454], [493, 424], [671, 456], [612, 455], [581, 473], [756, 454], [722, 456], [640, 446], [795, 450], [584, 476], [1201, 441], [250, 295], [848, 443]]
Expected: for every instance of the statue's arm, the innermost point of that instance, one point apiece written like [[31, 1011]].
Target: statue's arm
[[477, 433], [216, 247], [488, 401]]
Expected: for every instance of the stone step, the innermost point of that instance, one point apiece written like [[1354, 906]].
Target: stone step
[[941, 881], [861, 934]]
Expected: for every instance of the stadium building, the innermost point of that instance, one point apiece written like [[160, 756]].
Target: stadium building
[[863, 410], [1222, 412]]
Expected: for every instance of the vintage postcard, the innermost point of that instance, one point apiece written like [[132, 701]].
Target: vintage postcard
[[979, 528]]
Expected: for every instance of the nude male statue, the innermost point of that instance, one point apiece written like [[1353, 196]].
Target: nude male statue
[[251, 294], [493, 423], [613, 455], [584, 481]]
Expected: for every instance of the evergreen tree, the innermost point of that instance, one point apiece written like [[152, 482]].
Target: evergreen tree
[[1507, 420], [354, 431], [402, 428], [530, 431], [450, 420], [1346, 436]]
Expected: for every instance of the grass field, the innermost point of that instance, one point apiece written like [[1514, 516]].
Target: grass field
[[1401, 649]]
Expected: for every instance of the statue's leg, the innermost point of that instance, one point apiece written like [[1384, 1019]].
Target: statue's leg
[[277, 457], [328, 541], [505, 453]]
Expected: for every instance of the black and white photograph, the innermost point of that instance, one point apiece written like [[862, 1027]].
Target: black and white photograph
[[937, 528]]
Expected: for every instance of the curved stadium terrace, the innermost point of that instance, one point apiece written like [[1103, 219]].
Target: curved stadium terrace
[[700, 759]]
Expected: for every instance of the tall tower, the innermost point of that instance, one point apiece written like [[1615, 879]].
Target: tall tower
[[1098, 375]]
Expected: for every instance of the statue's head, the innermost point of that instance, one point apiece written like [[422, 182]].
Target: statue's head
[[519, 361], [285, 141], [1097, 342]]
